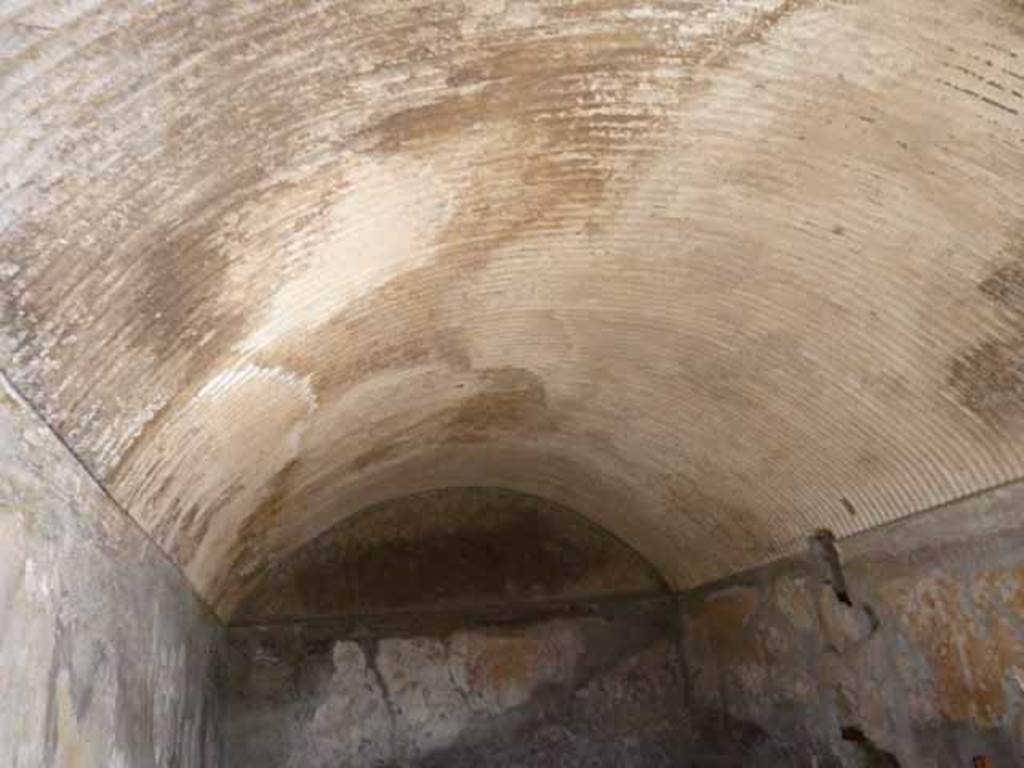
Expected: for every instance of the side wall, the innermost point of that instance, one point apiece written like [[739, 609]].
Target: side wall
[[599, 690], [106, 657], [905, 648]]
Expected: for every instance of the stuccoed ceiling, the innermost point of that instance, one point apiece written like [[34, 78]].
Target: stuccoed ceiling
[[713, 273], [455, 551]]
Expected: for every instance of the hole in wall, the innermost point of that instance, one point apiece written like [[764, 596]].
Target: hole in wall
[[848, 506], [870, 755]]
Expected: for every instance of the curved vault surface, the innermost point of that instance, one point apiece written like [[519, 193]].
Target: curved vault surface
[[716, 274], [450, 549]]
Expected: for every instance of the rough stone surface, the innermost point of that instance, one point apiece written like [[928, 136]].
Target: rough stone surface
[[106, 656], [902, 646], [448, 549], [585, 691], [920, 668], [715, 274], [630, 714]]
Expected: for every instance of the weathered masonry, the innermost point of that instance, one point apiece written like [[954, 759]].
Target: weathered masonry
[[511, 383]]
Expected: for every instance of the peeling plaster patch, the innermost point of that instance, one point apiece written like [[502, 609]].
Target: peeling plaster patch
[[731, 607], [1018, 676], [524, 14], [73, 750], [430, 711], [221, 384], [38, 582], [407, 700], [971, 652], [352, 725], [794, 600], [502, 671], [716, 20], [168, 715]]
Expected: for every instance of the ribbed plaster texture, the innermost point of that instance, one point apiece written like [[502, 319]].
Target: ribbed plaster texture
[[715, 274]]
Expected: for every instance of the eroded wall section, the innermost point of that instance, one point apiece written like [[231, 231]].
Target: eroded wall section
[[903, 646], [106, 657], [604, 689]]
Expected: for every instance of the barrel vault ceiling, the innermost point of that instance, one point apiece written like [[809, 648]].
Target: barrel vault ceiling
[[715, 274]]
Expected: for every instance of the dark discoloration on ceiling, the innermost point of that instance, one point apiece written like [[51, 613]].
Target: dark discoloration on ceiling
[[989, 377], [450, 548], [511, 401]]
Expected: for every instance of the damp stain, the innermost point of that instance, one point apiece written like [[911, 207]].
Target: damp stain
[[454, 547], [988, 378], [1005, 285], [510, 402], [514, 401], [250, 547]]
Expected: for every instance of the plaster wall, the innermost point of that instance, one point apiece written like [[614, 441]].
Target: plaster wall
[[910, 653], [107, 659], [599, 690], [903, 646]]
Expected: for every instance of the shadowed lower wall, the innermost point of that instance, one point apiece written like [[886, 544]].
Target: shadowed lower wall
[[107, 659], [907, 650], [599, 690], [902, 646]]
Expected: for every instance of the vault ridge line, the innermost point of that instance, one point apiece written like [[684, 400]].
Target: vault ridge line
[[8, 384]]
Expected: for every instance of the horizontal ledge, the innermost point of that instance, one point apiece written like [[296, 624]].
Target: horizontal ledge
[[444, 618]]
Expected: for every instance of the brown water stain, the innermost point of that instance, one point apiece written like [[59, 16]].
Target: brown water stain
[[512, 402], [193, 524], [726, 615], [969, 656], [563, 161], [506, 665], [250, 546], [988, 378], [686, 496]]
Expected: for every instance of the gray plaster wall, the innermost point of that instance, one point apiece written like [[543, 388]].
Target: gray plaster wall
[[903, 646], [605, 689], [107, 659], [906, 650]]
